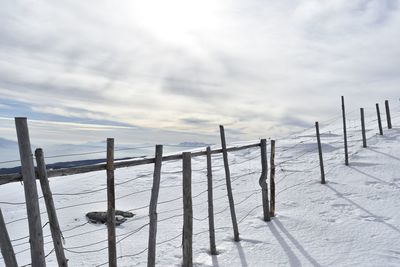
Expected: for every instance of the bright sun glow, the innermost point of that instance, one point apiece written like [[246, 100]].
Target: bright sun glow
[[177, 20]]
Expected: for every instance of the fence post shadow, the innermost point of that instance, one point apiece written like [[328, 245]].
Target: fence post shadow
[[296, 243], [378, 218], [214, 259], [385, 154], [242, 256], [293, 259]]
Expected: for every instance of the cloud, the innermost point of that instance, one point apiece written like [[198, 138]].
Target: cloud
[[261, 67]]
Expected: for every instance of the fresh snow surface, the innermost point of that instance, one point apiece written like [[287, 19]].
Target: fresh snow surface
[[353, 220]]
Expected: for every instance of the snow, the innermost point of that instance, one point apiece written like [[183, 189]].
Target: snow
[[353, 220]]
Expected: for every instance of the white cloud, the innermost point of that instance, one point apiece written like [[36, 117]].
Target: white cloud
[[260, 66]]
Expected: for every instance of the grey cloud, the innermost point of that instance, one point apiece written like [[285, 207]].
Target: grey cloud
[[266, 63], [196, 121]]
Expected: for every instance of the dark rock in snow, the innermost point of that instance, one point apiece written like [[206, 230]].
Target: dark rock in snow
[[101, 216]]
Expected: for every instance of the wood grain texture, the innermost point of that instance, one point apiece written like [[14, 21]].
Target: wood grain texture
[[364, 138], [272, 179], [31, 194], [378, 115], [321, 160], [17, 177], [187, 211], [213, 249], [112, 245], [346, 152], [5, 245], [263, 180], [151, 255], [228, 185], [50, 207]]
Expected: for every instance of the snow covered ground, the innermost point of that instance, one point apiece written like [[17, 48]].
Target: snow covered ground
[[353, 220]]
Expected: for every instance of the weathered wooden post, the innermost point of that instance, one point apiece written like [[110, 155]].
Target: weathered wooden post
[[388, 118], [321, 160], [346, 153], [31, 194], [263, 180], [364, 138], [187, 210], [378, 114], [112, 245], [151, 255], [228, 185], [5, 245], [213, 249], [272, 179], [51, 210]]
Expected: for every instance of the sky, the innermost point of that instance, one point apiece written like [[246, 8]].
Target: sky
[[172, 71]]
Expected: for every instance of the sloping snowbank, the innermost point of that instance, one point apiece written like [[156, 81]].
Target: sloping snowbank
[[353, 220]]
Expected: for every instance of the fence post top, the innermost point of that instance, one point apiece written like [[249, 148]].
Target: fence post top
[[20, 118]]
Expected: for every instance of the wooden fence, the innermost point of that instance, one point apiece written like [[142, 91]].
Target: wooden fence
[[29, 175]]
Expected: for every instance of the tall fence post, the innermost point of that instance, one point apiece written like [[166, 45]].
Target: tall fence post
[[388, 118], [228, 185], [151, 255], [272, 179], [364, 138], [346, 152], [5, 245], [378, 114], [263, 180], [321, 160], [187, 210], [112, 246], [51, 210], [213, 249], [31, 194]]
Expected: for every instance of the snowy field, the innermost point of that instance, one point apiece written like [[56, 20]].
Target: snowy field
[[353, 220]]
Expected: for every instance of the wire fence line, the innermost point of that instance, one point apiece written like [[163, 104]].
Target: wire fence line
[[219, 183]]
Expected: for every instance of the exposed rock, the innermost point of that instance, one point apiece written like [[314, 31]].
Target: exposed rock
[[101, 216]]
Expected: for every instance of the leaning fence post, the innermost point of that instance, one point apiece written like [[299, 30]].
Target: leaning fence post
[[346, 153], [112, 246], [321, 160], [51, 210], [388, 118], [213, 249], [378, 114], [263, 180], [272, 179], [364, 138], [5, 245], [151, 255], [187, 210], [31, 194], [228, 185]]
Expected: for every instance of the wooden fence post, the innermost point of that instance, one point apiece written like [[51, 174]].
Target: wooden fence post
[[228, 185], [112, 245], [346, 153], [321, 160], [213, 249], [378, 114], [151, 255], [272, 179], [364, 138], [5, 245], [263, 180], [31, 194], [388, 118], [187, 210], [51, 210]]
